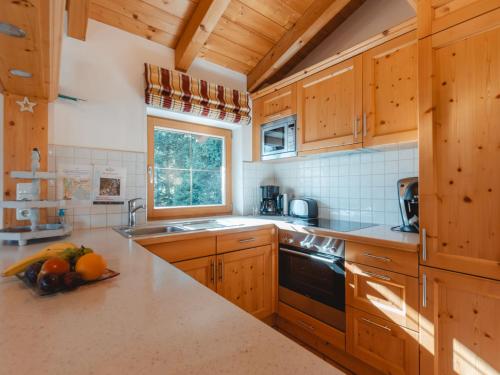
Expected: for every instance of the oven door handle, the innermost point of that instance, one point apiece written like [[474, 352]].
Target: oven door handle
[[305, 255]]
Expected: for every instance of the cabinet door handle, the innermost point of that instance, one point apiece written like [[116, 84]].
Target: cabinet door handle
[[251, 239], [305, 325], [424, 290], [376, 324], [355, 128], [364, 124], [378, 276], [212, 271], [221, 270], [424, 244], [377, 257]]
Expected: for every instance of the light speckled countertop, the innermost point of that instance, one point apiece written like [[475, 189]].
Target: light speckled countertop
[[152, 319]]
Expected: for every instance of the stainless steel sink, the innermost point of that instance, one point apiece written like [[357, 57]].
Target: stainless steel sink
[[143, 231]]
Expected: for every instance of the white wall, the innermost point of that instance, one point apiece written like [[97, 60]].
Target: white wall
[[373, 17], [107, 70]]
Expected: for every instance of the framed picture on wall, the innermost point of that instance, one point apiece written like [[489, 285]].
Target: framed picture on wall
[[109, 185]]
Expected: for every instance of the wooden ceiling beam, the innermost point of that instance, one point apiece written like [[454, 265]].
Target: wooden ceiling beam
[[316, 17], [197, 31], [38, 52], [78, 17]]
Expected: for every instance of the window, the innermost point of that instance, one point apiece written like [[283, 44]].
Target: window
[[189, 169]]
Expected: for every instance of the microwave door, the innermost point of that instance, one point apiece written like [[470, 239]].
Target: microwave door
[[274, 140]]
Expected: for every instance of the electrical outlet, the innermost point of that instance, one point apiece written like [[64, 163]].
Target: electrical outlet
[[23, 192]]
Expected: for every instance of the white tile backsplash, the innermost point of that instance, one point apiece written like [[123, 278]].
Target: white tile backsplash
[[359, 186], [96, 216]]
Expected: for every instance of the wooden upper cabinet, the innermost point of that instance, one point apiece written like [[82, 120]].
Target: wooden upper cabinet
[[459, 330], [459, 142], [276, 105], [200, 269], [437, 15], [245, 278], [329, 107], [390, 92]]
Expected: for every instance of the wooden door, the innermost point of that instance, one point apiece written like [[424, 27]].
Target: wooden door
[[200, 269], [459, 143], [459, 329], [384, 345], [389, 295], [329, 107], [245, 278], [390, 92], [273, 106], [438, 15]]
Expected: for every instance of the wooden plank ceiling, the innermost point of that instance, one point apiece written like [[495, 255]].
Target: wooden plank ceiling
[[237, 34]]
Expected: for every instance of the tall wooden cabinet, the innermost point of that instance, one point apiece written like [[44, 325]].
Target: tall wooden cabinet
[[460, 147], [329, 107], [460, 333], [390, 92], [438, 15]]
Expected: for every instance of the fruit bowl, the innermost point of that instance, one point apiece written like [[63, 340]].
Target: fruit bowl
[[108, 274]]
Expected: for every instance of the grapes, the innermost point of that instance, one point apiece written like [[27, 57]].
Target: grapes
[[31, 273], [49, 282], [72, 280]]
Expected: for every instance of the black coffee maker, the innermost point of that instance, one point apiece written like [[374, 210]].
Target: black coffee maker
[[408, 204], [270, 200]]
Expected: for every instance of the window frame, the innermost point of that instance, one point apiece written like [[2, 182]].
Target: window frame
[[194, 211]]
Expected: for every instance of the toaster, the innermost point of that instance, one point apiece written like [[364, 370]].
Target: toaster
[[303, 208]]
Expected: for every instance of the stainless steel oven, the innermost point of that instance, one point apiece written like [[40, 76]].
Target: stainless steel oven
[[278, 139], [312, 276]]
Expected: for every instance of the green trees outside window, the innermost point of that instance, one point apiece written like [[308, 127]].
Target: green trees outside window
[[189, 169]]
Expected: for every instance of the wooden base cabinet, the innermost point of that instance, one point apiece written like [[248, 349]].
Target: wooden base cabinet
[[201, 269], [384, 345], [459, 324], [245, 278], [459, 138]]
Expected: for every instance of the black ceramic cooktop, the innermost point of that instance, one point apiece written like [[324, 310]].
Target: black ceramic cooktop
[[337, 225]]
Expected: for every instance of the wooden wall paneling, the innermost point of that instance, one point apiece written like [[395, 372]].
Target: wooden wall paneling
[[459, 330], [23, 131], [459, 140], [197, 31], [438, 15], [78, 16], [312, 21], [37, 53], [390, 95]]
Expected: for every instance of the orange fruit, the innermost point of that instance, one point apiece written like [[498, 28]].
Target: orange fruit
[[55, 265], [91, 266]]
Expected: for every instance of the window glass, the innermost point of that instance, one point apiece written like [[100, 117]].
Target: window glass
[[189, 169]]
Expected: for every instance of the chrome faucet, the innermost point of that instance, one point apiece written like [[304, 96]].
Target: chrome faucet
[[132, 208]]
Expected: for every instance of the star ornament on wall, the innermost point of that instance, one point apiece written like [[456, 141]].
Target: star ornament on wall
[[25, 105]]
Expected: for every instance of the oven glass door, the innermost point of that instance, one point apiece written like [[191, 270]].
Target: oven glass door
[[318, 277], [274, 140]]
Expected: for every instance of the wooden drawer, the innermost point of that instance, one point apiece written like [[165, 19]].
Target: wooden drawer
[[382, 344], [175, 251], [383, 293], [314, 326], [244, 240], [400, 261]]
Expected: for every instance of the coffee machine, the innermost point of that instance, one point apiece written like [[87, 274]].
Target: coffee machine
[[408, 204], [270, 204]]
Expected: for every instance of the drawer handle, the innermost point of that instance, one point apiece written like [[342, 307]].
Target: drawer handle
[[305, 325], [377, 257], [251, 239], [378, 276], [376, 324]]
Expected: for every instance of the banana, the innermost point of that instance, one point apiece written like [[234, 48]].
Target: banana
[[51, 250]]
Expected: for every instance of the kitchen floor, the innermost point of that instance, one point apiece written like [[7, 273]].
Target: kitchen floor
[[314, 351]]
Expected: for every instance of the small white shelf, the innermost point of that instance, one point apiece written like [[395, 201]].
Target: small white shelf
[[23, 234], [30, 204], [31, 175]]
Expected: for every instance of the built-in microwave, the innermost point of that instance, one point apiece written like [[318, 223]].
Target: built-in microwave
[[278, 139]]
